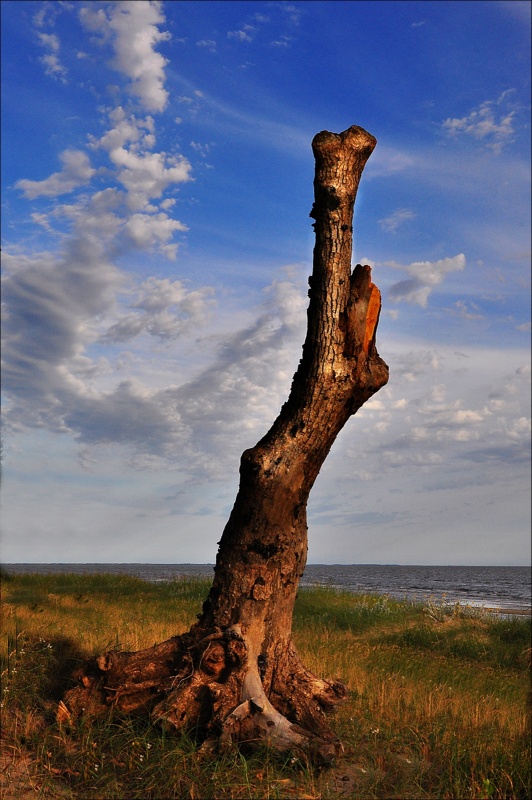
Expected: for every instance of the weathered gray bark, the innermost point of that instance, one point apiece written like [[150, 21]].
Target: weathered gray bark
[[236, 676]]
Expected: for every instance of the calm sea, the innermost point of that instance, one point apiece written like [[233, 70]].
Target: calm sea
[[490, 587]]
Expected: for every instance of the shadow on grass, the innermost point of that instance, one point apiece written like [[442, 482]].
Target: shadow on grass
[[39, 670]]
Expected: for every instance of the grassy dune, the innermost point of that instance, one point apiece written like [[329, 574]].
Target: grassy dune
[[438, 707]]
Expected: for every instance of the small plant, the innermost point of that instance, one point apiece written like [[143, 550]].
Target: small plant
[[488, 788]]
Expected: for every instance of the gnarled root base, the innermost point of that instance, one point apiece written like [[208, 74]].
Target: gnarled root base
[[213, 687]]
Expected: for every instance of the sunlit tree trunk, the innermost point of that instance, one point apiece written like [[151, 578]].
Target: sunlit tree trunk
[[236, 676]]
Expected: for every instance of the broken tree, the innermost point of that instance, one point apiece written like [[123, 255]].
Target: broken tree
[[235, 676]]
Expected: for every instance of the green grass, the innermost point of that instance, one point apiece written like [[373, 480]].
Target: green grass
[[438, 704]]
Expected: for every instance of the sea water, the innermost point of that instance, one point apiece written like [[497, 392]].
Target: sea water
[[489, 587]]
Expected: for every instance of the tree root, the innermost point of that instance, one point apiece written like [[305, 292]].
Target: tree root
[[212, 688]]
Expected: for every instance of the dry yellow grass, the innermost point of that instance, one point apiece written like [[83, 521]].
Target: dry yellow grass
[[437, 707]]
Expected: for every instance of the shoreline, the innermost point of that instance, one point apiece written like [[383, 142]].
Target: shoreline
[[520, 612], [354, 584]]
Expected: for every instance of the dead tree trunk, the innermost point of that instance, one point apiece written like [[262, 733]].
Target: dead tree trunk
[[236, 676]]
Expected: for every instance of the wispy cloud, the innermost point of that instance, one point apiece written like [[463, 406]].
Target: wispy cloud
[[45, 17], [282, 23], [245, 34], [52, 64], [387, 160], [394, 221], [233, 121], [492, 122], [516, 8], [208, 44], [466, 310]]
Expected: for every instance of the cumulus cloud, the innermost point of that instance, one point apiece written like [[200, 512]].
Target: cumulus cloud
[[147, 175], [425, 276], [145, 230], [76, 171], [491, 122], [144, 174], [134, 29], [125, 129]]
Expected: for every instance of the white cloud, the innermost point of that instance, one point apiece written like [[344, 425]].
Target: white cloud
[[50, 42], [492, 122], [233, 401], [125, 129], [65, 312], [164, 309], [135, 36], [458, 412], [394, 221], [146, 230], [76, 172], [49, 302], [53, 67], [386, 161], [147, 175], [465, 311], [202, 149], [208, 44], [42, 220], [39, 18], [57, 310], [98, 216], [144, 174], [243, 35], [292, 11], [425, 276]]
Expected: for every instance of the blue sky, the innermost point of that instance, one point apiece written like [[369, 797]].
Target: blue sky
[[156, 186]]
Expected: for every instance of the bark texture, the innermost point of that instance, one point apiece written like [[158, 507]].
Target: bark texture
[[235, 677]]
